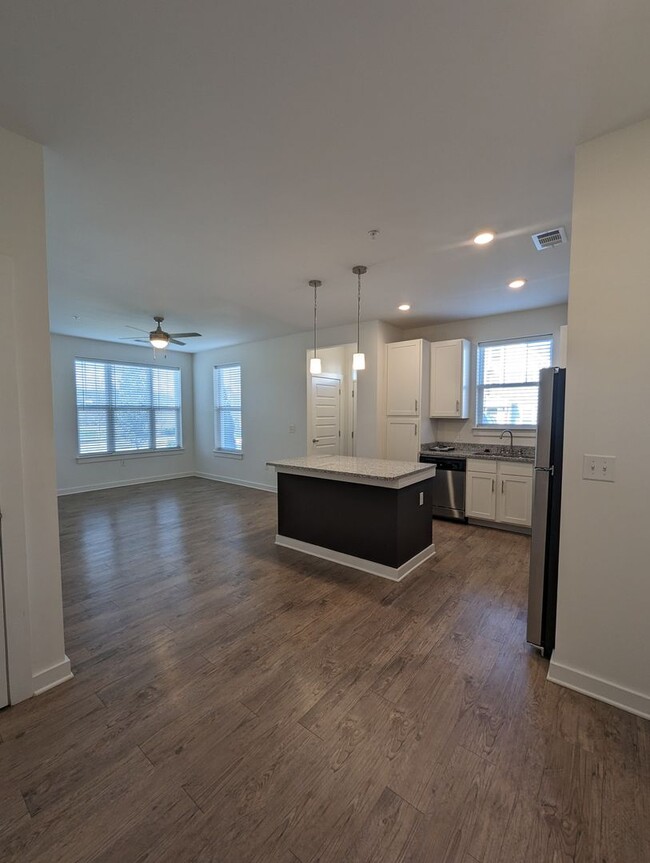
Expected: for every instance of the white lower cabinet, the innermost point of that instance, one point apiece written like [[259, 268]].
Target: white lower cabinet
[[402, 439], [499, 491]]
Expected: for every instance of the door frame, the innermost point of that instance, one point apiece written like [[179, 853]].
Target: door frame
[[349, 390]]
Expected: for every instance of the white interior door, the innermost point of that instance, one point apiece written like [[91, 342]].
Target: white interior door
[[325, 425]]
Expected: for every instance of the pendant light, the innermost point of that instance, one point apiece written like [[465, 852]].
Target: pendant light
[[315, 367], [359, 359]]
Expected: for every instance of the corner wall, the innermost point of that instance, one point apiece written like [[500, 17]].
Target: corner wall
[[75, 476], [603, 625], [32, 571]]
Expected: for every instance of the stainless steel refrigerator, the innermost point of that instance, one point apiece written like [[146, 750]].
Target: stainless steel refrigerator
[[545, 544]]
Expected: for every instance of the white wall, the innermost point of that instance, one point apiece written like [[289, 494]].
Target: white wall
[[603, 634], [274, 397], [27, 467], [509, 326], [74, 476]]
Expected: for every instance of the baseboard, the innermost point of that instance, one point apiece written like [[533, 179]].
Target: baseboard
[[52, 676], [380, 569], [233, 481], [602, 690], [99, 486]]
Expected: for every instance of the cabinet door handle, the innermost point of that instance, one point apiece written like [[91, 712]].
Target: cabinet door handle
[[501, 486], [416, 406], [457, 406], [415, 430], [492, 486]]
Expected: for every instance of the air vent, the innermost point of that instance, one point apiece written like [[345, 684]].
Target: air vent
[[547, 239]]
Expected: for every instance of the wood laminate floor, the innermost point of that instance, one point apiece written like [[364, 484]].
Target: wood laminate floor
[[235, 701]]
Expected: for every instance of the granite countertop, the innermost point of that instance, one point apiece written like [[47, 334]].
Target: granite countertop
[[489, 452], [350, 466]]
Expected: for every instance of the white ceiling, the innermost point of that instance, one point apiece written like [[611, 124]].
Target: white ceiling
[[205, 159]]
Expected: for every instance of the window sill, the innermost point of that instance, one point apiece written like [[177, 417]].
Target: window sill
[[84, 459], [225, 453], [495, 431]]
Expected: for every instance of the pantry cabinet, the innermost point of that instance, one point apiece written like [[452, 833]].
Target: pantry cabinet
[[449, 384], [499, 491], [407, 399]]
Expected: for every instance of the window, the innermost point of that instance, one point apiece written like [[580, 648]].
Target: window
[[227, 409], [507, 383], [126, 408]]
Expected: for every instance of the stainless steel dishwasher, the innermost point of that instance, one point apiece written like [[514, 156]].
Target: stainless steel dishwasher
[[448, 486]]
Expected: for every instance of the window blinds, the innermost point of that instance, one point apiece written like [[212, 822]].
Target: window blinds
[[227, 408], [508, 380], [124, 408]]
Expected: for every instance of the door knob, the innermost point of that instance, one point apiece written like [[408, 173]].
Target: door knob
[[314, 440]]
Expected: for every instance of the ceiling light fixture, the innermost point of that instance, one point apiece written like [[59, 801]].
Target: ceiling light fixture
[[404, 307], [359, 359], [158, 337], [484, 238], [315, 367], [516, 283]]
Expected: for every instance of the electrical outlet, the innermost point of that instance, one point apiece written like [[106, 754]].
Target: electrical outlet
[[601, 468], [421, 498]]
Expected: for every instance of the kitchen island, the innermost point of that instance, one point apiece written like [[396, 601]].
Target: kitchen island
[[369, 514]]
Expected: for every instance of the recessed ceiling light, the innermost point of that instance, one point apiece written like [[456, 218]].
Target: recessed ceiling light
[[517, 283], [404, 307], [484, 238]]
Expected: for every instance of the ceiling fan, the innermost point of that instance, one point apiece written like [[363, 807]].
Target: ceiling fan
[[158, 338]]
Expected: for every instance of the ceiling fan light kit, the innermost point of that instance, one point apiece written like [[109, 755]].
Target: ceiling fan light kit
[[158, 337]]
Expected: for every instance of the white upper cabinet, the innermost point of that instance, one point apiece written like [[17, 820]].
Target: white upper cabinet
[[450, 379], [407, 373]]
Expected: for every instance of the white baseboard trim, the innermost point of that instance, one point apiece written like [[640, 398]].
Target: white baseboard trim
[[602, 690], [390, 572], [233, 481], [50, 677], [99, 486]]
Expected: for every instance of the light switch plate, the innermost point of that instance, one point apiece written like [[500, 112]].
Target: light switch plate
[[601, 468]]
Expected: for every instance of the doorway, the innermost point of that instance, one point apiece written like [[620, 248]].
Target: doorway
[[331, 415]]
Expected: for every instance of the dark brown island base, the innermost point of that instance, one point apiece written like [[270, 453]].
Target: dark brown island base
[[370, 514]]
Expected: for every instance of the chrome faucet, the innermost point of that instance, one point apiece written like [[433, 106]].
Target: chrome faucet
[[507, 431]]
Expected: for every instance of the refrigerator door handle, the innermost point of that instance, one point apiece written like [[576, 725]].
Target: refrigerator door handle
[[550, 469]]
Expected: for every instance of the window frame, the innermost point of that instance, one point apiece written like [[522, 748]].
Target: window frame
[[112, 454], [217, 409], [481, 387]]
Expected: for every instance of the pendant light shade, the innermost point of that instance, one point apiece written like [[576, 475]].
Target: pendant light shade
[[359, 359], [315, 366]]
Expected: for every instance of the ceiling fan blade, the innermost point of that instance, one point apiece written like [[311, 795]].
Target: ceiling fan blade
[[175, 342], [139, 329], [133, 339], [184, 335]]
